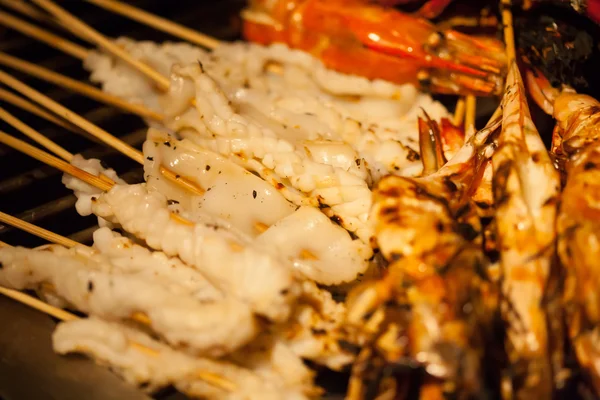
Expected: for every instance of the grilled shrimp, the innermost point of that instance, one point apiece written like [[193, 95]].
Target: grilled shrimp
[[526, 191], [440, 277], [576, 140], [355, 37]]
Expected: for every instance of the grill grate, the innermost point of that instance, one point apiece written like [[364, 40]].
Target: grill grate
[[32, 191]]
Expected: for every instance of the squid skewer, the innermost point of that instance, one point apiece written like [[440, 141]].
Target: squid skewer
[[155, 365], [341, 187], [92, 284], [210, 377], [274, 301], [249, 205], [321, 348]]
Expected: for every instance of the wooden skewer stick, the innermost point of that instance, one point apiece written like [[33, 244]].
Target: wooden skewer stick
[[470, 113], [102, 183], [76, 86], [37, 304], [25, 9], [71, 117], [509, 34], [159, 23], [78, 26], [43, 35], [55, 162], [35, 135], [41, 139], [94, 130], [26, 105], [459, 112], [167, 26], [36, 230]]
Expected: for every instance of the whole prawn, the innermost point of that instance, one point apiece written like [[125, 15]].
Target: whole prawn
[[433, 8], [361, 38], [575, 144], [526, 191], [430, 308]]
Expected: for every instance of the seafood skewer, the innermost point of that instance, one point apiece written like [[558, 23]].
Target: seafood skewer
[[323, 347], [94, 285], [155, 365], [214, 379], [244, 203]]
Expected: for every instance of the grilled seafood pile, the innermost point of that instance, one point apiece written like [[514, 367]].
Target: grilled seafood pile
[[467, 259], [221, 292]]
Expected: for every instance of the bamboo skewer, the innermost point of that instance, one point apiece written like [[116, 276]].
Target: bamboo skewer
[[55, 162], [157, 22], [51, 39], [25, 9], [470, 114], [509, 34], [76, 86], [102, 183], [92, 129], [78, 26], [35, 135], [71, 117], [32, 108], [459, 112], [41, 139], [36, 230], [37, 304]]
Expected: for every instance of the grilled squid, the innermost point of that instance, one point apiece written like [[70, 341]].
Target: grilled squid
[[344, 192], [376, 119], [92, 285], [143, 361], [240, 269], [317, 247], [131, 258]]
